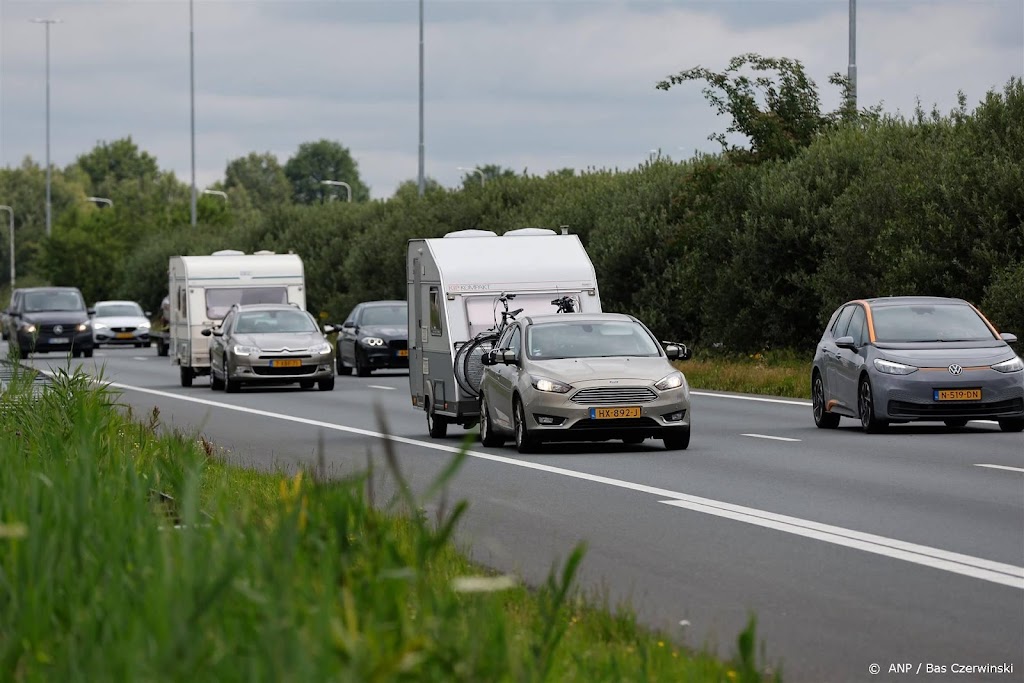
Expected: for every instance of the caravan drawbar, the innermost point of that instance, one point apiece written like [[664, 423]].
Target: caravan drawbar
[[454, 286]]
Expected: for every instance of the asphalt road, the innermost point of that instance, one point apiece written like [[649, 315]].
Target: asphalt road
[[851, 549]]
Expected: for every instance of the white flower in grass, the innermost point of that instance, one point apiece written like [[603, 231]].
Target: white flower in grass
[[14, 530], [483, 584]]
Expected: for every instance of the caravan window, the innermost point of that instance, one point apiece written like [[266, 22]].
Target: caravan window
[[435, 311], [220, 301]]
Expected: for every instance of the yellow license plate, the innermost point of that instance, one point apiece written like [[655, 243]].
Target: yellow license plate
[[613, 413], [957, 394], [403, 352], [286, 363], [124, 335]]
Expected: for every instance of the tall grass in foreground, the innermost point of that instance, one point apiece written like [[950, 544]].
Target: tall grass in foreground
[[127, 555]]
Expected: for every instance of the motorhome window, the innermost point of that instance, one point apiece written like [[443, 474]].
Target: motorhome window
[[435, 311], [219, 301], [397, 315]]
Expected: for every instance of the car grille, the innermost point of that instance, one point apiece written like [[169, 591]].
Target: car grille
[[963, 409], [616, 423], [68, 329], [398, 344], [279, 356], [600, 396], [283, 372], [122, 329]]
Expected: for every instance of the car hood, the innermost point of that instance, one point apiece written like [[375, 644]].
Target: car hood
[[296, 341], [56, 317], [571, 370], [384, 331], [121, 320], [943, 355]]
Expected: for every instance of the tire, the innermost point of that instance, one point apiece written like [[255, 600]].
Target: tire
[[186, 376], [822, 418], [342, 368], [232, 386], [866, 408], [678, 442], [361, 369], [87, 353], [1012, 424], [307, 383], [76, 353], [216, 384], [23, 352], [437, 426], [525, 442], [956, 422], [326, 384], [162, 348], [488, 437]]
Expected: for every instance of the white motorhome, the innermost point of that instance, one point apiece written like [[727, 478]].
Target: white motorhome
[[454, 285], [202, 289]]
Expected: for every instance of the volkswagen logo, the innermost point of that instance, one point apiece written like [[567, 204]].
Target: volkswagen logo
[[955, 369], [57, 329]]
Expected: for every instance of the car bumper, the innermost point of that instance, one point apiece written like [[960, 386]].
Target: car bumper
[[47, 343], [384, 358], [126, 338], [255, 369], [913, 397], [566, 417]]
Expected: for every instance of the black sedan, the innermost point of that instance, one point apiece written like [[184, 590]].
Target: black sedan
[[374, 336]]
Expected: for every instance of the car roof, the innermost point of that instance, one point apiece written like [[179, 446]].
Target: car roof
[[242, 308], [116, 301], [388, 302], [50, 289], [579, 317], [912, 300]]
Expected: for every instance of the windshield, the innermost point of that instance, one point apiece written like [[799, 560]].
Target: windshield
[[53, 301], [220, 301], [385, 315], [929, 323], [548, 341], [275, 322], [119, 310]]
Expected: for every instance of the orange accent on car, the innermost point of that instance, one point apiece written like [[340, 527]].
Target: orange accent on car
[[990, 325], [830, 404], [871, 318]]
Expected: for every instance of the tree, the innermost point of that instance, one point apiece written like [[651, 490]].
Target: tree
[[322, 160], [118, 160], [410, 189], [790, 116], [490, 172], [262, 177]]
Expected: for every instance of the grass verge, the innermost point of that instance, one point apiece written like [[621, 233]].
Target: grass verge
[[773, 373], [127, 553]]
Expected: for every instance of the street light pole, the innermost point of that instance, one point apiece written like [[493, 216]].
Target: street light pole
[[10, 213], [852, 68], [339, 183], [421, 183], [474, 170], [192, 106], [49, 212]]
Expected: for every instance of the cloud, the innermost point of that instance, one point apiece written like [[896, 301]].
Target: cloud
[[546, 83]]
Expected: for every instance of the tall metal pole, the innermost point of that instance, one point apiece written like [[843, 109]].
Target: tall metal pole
[[49, 212], [852, 69], [422, 179], [192, 106], [10, 213]]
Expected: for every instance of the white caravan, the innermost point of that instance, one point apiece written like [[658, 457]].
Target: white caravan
[[454, 287], [202, 289]]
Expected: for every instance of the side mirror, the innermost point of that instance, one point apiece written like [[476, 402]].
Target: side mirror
[[148, 314], [677, 352], [846, 343], [508, 357], [1008, 337], [206, 332], [216, 332], [348, 324], [91, 311], [487, 358], [330, 329]]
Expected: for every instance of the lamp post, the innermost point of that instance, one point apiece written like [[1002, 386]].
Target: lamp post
[[10, 213], [218, 193], [474, 170], [340, 183], [100, 200], [192, 108], [421, 183], [47, 23], [851, 73]]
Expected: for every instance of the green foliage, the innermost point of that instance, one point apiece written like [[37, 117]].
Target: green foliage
[[117, 161], [322, 160], [1004, 300], [262, 178]]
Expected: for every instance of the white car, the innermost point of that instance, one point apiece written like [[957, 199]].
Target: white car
[[120, 323]]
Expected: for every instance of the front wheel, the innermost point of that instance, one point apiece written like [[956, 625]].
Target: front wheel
[[956, 422], [306, 383], [822, 418], [216, 384], [525, 442], [488, 437], [678, 440], [325, 384], [437, 426], [1012, 424], [869, 422]]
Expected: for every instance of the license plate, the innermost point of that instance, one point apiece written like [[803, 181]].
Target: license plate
[[59, 340], [957, 394], [286, 363], [613, 413], [403, 353], [124, 335]]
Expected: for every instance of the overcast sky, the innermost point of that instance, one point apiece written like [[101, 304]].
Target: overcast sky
[[540, 85]]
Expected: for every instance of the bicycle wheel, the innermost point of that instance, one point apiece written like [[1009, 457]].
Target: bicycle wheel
[[469, 368]]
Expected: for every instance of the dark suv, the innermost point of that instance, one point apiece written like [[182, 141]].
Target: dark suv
[[50, 319]]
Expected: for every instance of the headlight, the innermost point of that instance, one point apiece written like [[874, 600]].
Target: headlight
[[320, 348], [240, 350], [541, 384], [99, 326], [373, 341], [29, 328], [673, 381], [891, 368], [1015, 364], [144, 326], [82, 327]]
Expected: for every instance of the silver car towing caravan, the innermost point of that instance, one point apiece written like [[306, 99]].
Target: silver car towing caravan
[[459, 287]]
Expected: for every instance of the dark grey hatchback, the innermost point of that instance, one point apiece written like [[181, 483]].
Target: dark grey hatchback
[[898, 359]]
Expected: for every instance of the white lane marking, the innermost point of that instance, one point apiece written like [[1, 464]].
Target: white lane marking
[[784, 401], [773, 438], [381, 386], [996, 572], [140, 357], [1001, 467]]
